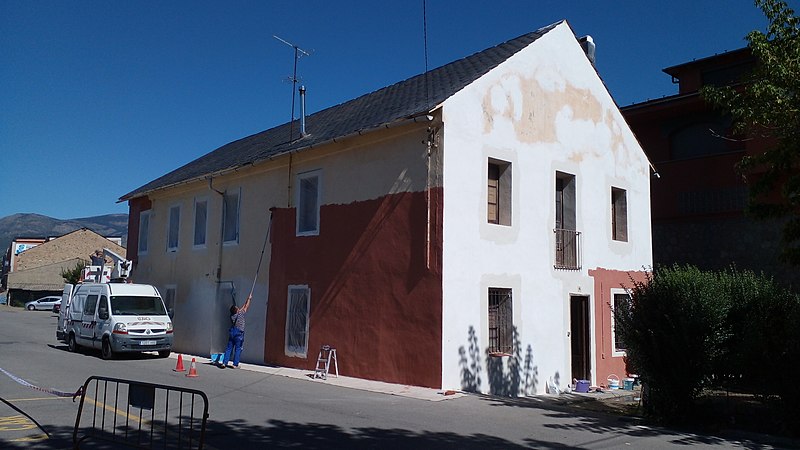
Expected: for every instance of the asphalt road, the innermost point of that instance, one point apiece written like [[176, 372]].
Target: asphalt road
[[256, 410]]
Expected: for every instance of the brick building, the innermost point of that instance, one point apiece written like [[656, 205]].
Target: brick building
[[699, 199]]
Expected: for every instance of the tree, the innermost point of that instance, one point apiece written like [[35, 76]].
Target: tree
[[72, 276], [767, 106]]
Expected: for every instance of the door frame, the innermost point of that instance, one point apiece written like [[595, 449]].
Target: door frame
[[580, 337]]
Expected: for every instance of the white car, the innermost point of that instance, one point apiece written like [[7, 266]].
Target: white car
[[44, 303]]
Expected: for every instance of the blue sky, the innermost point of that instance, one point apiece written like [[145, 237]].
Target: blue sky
[[100, 97]]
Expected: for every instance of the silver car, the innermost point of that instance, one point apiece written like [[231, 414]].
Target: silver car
[[44, 303]]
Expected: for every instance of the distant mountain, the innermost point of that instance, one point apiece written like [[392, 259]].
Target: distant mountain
[[36, 225]]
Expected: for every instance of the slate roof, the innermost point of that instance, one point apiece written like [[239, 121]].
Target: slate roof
[[400, 101]]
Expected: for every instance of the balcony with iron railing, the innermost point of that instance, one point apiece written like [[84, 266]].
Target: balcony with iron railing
[[568, 249]]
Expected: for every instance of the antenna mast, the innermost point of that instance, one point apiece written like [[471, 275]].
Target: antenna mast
[[297, 53]]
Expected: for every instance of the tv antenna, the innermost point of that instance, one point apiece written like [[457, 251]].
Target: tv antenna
[[298, 52]]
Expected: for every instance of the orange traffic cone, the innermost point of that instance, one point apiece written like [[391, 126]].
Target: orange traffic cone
[[179, 366], [192, 370]]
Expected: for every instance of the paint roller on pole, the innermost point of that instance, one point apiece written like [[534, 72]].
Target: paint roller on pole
[[263, 248]]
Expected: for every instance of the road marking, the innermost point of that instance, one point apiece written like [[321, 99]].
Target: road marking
[[34, 438], [36, 399], [15, 423], [115, 410]]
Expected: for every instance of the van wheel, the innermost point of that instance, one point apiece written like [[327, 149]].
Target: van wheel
[[107, 352], [163, 353], [71, 344]]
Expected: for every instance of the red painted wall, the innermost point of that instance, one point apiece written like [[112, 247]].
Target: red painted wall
[[373, 296], [604, 281]]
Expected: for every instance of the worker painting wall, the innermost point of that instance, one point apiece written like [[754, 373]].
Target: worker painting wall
[[542, 113]]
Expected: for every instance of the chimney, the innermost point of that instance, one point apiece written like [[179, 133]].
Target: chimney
[[587, 43], [302, 111]]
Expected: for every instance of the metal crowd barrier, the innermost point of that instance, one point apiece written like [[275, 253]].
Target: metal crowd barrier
[[115, 412]]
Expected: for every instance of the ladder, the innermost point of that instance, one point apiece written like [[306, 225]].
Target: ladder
[[326, 355]]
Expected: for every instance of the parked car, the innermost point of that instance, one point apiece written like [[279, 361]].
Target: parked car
[[44, 303]]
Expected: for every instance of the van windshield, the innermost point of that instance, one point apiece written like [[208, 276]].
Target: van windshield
[[136, 306]]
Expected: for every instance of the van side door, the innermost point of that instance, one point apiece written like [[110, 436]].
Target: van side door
[[75, 311], [88, 321]]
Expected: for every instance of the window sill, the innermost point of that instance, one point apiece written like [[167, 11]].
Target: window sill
[[499, 354]]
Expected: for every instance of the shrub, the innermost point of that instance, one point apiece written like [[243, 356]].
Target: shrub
[[674, 328], [688, 330], [765, 346]]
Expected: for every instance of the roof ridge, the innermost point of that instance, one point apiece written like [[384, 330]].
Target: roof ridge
[[404, 99]]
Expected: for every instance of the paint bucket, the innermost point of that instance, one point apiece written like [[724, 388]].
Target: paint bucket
[[216, 357], [582, 386], [627, 384], [613, 381]]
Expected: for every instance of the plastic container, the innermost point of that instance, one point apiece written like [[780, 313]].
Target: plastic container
[[582, 386], [627, 384], [613, 381]]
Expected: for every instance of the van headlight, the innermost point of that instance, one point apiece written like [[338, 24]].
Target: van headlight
[[120, 328], [169, 327]]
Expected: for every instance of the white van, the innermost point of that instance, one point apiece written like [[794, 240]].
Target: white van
[[115, 318]]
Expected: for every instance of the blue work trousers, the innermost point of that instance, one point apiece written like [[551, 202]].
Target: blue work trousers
[[235, 343]]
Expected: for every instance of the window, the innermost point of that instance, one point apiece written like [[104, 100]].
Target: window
[[230, 213], [297, 318], [308, 202], [169, 297], [200, 221], [174, 228], [144, 231], [565, 201], [501, 326], [702, 137], [498, 194], [102, 308], [619, 214], [621, 300], [91, 303], [568, 251]]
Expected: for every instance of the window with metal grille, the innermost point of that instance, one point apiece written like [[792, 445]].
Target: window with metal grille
[[297, 318], [568, 255], [620, 300], [501, 326]]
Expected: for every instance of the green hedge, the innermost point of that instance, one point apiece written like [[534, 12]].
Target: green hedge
[[688, 330]]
